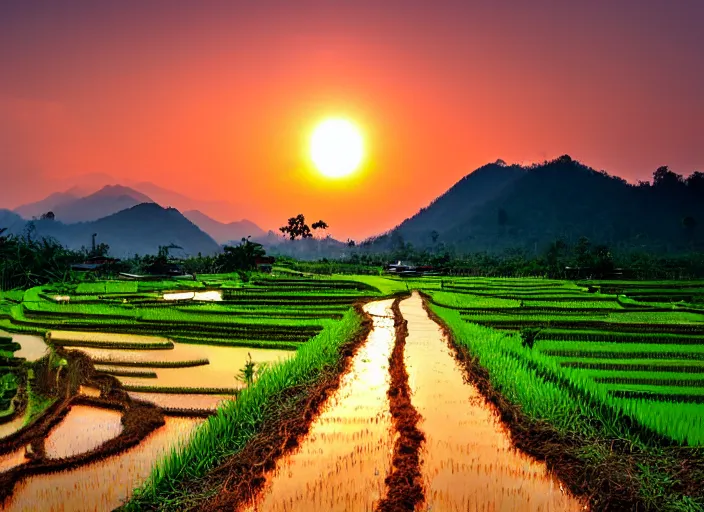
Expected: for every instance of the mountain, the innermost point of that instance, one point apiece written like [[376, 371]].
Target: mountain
[[456, 207], [48, 204], [70, 209], [169, 198], [140, 229], [11, 221], [498, 207], [221, 232]]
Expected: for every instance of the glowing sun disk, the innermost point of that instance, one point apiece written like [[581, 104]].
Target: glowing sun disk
[[336, 147]]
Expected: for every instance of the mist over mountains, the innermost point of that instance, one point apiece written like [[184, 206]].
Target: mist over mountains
[[140, 229]]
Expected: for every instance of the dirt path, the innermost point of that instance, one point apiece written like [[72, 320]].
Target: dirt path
[[468, 461], [342, 463]]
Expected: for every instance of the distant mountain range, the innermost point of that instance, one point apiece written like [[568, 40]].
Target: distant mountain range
[[225, 232], [140, 229], [70, 207], [501, 206], [494, 208]]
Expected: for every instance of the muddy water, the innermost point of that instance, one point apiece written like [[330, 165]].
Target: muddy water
[[89, 391], [468, 462], [105, 337], [212, 295], [225, 364], [175, 401], [12, 459], [102, 485], [33, 347], [342, 463], [83, 429], [13, 426]]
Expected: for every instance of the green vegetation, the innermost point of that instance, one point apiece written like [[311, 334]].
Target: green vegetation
[[238, 421]]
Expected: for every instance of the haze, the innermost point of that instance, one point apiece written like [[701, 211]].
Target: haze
[[217, 104]]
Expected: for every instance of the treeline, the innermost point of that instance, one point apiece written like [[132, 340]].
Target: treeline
[[27, 261], [561, 260]]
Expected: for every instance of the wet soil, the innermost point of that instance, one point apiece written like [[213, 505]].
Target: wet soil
[[404, 486]]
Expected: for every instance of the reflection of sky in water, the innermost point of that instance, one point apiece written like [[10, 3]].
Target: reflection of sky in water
[[212, 295], [33, 347], [468, 461], [102, 485], [83, 429], [343, 461], [221, 371]]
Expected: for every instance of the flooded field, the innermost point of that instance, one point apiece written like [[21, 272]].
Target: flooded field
[[33, 347], [468, 463], [174, 401], [102, 485], [212, 295], [13, 426], [224, 364], [65, 337], [83, 429], [342, 463], [11, 460]]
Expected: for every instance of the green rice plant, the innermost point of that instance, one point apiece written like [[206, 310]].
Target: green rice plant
[[238, 421]]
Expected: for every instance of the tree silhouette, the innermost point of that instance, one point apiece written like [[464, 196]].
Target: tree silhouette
[[664, 177], [48, 216], [321, 224], [297, 228], [241, 257]]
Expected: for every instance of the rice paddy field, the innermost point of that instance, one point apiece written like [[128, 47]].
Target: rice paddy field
[[304, 392]]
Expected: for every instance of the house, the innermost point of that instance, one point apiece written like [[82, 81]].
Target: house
[[264, 263]]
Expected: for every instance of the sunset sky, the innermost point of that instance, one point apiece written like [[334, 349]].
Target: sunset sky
[[217, 100]]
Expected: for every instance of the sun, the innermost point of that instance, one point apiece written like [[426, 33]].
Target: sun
[[336, 147]]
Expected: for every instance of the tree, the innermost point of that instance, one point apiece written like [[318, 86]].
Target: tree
[[663, 177], [321, 224], [48, 216], [434, 235], [582, 252], [241, 257], [297, 228], [695, 182], [603, 260]]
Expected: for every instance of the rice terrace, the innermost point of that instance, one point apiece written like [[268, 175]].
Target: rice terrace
[[357, 392], [351, 256]]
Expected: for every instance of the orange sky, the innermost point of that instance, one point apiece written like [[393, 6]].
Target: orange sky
[[217, 102]]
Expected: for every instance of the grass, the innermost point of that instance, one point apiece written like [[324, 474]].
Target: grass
[[236, 422]]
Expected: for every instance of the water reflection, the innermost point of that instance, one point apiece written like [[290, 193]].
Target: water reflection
[[102, 485], [468, 461], [33, 347], [211, 295], [83, 429], [342, 462]]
